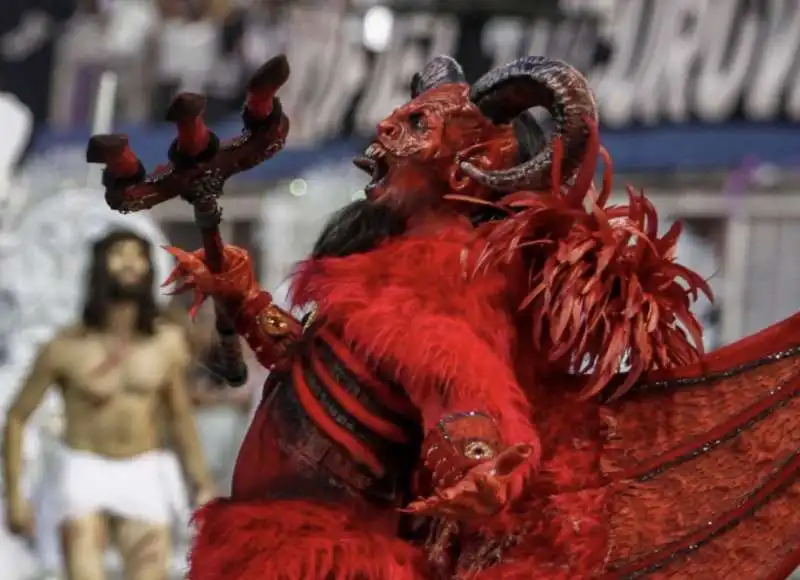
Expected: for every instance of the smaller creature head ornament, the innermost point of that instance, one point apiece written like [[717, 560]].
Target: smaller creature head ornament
[[481, 141]]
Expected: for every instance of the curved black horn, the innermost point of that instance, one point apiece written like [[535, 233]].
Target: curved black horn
[[441, 70], [505, 93]]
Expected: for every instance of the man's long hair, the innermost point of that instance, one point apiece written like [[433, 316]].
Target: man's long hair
[[102, 290]]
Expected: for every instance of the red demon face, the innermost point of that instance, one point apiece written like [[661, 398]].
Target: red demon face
[[475, 140], [414, 159]]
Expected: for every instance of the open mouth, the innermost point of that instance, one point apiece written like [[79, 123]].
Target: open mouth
[[373, 162]]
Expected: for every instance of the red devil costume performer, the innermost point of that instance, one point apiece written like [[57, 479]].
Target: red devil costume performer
[[455, 409]]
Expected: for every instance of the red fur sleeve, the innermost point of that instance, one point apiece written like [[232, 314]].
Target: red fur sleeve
[[408, 308], [470, 402], [464, 375], [605, 289]]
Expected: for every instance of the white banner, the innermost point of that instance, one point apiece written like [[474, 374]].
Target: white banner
[[649, 61]]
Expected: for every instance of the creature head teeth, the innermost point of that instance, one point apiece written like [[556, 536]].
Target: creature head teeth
[[373, 161], [375, 151]]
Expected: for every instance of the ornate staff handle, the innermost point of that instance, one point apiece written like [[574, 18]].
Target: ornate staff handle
[[199, 165], [229, 362]]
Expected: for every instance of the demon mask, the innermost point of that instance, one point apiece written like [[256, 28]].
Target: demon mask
[[479, 140]]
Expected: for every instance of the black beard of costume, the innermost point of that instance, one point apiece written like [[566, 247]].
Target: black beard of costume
[[357, 228]]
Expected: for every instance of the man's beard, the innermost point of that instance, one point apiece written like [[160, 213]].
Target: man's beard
[[135, 292], [357, 228]]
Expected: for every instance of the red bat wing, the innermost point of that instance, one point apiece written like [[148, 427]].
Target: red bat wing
[[705, 469]]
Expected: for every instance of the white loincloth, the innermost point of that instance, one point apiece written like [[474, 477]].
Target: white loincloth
[[49, 503], [139, 488]]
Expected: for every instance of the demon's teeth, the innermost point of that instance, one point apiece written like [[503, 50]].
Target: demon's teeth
[[374, 151]]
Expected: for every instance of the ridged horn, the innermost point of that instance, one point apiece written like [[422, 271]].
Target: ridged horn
[[441, 70], [506, 93]]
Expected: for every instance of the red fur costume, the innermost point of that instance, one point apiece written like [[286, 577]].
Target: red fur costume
[[455, 407]]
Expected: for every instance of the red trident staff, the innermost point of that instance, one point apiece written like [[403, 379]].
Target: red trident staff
[[199, 165]]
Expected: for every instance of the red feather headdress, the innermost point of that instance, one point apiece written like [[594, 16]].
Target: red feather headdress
[[604, 286]]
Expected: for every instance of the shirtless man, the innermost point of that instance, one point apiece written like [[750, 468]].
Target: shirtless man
[[117, 370]]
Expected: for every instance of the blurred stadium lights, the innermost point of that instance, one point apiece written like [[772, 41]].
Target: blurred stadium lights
[[540, 8], [378, 22], [298, 187], [595, 7]]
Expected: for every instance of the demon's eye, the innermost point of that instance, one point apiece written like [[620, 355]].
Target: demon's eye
[[418, 121]]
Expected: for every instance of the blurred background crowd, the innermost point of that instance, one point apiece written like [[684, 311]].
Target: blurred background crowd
[[699, 99]]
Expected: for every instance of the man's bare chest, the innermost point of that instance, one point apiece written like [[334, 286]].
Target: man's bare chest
[[101, 368]]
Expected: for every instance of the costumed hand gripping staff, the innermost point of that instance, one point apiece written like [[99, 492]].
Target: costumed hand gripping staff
[[455, 407], [199, 164]]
